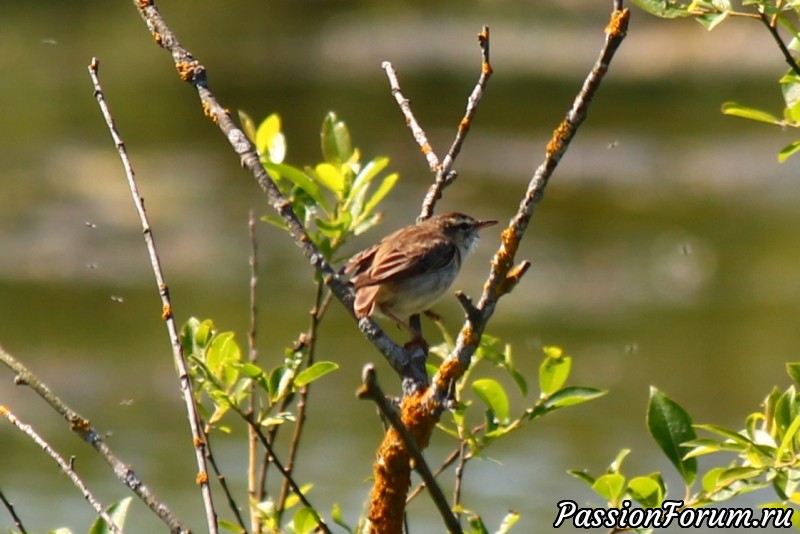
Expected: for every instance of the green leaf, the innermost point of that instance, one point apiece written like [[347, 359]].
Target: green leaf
[[248, 126], [476, 525], [337, 147], [793, 368], [671, 426], [667, 9], [331, 177], [270, 141], [317, 370], [230, 526], [293, 500], [790, 87], [299, 179], [788, 151], [386, 186], [582, 476], [570, 396], [494, 396], [737, 110], [787, 449], [305, 520], [117, 511], [508, 522], [646, 491], [711, 20], [710, 480], [616, 465], [553, 372], [609, 486], [338, 518]]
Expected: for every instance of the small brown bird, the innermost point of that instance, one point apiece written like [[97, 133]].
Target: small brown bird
[[409, 270]]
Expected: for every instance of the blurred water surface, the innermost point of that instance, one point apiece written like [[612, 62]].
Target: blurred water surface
[[663, 254]]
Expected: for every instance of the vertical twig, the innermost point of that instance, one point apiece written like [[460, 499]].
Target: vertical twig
[[166, 305], [252, 357], [320, 306], [446, 175], [64, 465], [459, 475], [10, 507]]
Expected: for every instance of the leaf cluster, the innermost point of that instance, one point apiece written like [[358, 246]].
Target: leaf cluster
[[774, 14]]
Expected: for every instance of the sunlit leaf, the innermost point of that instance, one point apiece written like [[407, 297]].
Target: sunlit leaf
[[571, 395], [646, 491], [338, 518], [508, 522], [248, 126], [609, 486], [386, 186], [330, 176], [553, 372], [293, 500], [583, 476], [788, 151], [337, 147], [668, 9], [305, 521], [315, 371], [299, 179], [494, 396], [270, 141], [117, 512], [738, 110], [671, 426]]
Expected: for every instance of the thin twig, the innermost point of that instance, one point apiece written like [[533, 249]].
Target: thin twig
[[223, 482], [167, 310], [317, 312], [787, 55], [419, 134], [372, 391], [64, 465], [10, 507], [273, 458], [409, 363], [252, 439], [87, 433], [446, 175], [459, 474], [504, 275]]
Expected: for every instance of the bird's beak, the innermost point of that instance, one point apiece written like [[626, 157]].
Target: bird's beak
[[484, 224]]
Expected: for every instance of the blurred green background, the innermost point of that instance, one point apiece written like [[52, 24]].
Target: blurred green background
[[664, 252]]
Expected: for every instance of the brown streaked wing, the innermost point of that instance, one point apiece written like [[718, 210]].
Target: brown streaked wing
[[361, 261], [397, 263]]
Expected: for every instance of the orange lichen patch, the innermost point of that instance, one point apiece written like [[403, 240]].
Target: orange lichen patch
[[166, 312], [619, 23], [198, 442], [80, 424], [3, 410], [187, 69], [426, 148], [208, 111], [513, 277], [486, 68], [449, 372], [556, 143], [392, 473], [202, 478], [464, 124], [144, 3], [159, 40]]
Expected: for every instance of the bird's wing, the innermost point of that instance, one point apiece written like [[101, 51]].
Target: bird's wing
[[407, 260]]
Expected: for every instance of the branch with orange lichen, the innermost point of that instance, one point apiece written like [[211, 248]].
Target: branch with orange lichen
[[421, 412]]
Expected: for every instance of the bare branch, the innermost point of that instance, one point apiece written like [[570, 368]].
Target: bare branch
[[419, 134], [404, 361], [252, 439], [166, 314], [10, 507], [66, 466], [787, 55], [87, 433], [446, 175], [503, 274]]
